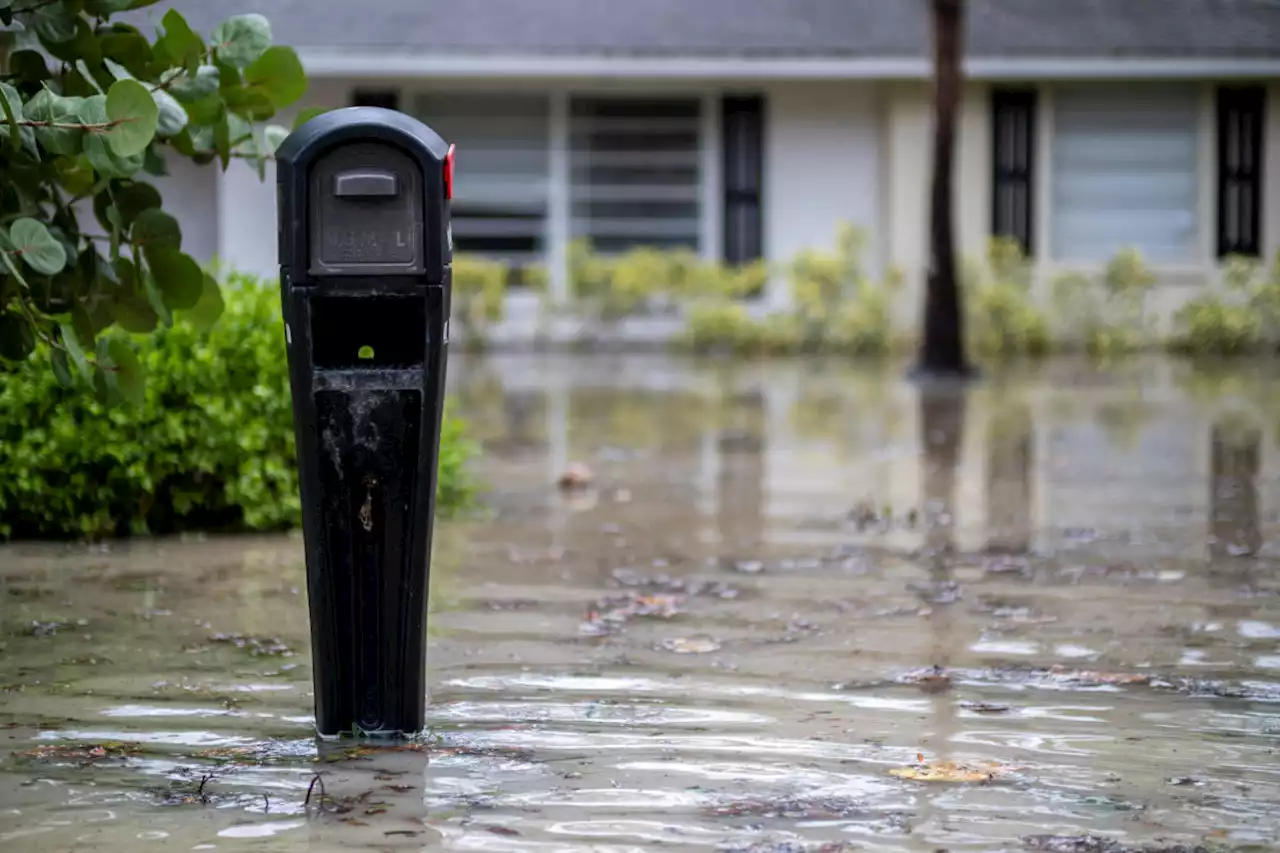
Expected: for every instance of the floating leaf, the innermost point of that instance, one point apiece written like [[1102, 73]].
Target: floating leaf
[[273, 136], [134, 115], [241, 39], [39, 249], [172, 115], [178, 277], [208, 308], [130, 376], [179, 42], [156, 229], [696, 645], [279, 74], [16, 338], [950, 771]]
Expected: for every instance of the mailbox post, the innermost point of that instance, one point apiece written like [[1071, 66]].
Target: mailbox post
[[365, 277]]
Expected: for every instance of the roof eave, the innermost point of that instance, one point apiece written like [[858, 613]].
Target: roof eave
[[321, 62]]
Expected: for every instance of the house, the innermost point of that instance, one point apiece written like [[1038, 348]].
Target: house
[[751, 128]]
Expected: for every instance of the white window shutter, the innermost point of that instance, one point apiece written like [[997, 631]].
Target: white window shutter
[[1124, 171]]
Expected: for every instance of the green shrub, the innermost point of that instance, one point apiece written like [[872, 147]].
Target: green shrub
[[1240, 315], [838, 307], [479, 297], [211, 446], [1107, 316], [1003, 319]]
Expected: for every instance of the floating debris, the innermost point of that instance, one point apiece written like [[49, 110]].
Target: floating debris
[[257, 646], [611, 613], [576, 476], [697, 645], [934, 679], [84, 753], [1097, 844], [986, 707], [950, 771]]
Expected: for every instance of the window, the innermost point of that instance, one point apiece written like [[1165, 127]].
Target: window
[[500, 193], [742, 130], [634, 171], [1013, 145], [386, 98], [1240, 122], [1124, 171]]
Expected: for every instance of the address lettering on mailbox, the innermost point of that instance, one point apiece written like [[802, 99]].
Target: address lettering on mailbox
[[367, 246]]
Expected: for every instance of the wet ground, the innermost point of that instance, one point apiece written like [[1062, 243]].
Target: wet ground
[[786, 607]]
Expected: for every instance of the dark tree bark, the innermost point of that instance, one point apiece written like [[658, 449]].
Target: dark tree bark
[[942, 349]]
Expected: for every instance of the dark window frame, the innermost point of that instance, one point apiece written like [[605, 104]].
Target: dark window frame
[[1014, 137], [743, 122], [1241, 153]]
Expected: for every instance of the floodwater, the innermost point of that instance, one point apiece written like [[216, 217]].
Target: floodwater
[[785, 590]]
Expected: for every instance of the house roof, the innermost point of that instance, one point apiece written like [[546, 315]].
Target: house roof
[[799, 28]]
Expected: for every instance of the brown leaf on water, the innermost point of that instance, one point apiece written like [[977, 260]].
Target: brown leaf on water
[[934, 679], [1115, 679], [697, 645], [950, 771]]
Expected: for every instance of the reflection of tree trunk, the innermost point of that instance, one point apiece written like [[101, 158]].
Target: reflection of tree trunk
[[740, 507], [942, 348], [1010, 440], [942, 414], [1234, 530]]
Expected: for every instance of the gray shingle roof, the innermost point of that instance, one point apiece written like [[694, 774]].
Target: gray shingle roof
[[784, 28]]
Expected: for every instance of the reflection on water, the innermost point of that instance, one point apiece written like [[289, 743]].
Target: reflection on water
[[785, 580]]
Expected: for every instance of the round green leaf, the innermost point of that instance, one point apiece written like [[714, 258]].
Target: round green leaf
[[180, 43], [155, 229], [134, 115], [39, 249], [16, 338], [29, 66], [135, 314], [178, 277], [208, 308], [278, 73], [82, 45], [133, 198], [56, 110], [241, 39], [127, 46], [130, 376], [172, 117], [54, 22], [253, 104], [194, 87], [274, 136], [101, 156]]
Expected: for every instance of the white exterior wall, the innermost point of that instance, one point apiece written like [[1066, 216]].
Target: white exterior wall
[[840, 151], [822, 167], [908, 161]]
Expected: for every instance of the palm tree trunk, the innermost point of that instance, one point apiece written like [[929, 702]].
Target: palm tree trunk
[[942, 351]]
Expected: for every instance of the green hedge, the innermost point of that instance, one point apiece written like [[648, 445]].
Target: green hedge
[[212, 447]]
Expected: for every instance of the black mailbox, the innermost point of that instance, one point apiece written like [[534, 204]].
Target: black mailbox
[[365, 278]]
